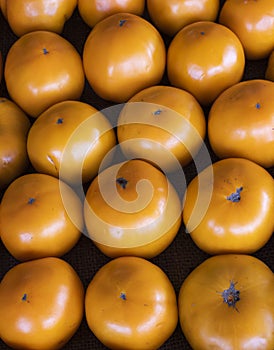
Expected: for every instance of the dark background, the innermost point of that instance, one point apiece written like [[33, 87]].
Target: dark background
[[179, 259]]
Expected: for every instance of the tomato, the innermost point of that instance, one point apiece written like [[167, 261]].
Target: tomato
[[240, 122], [205, 58], [43, 68], [93, 11], [269, 73], [227, 303], [130, 303], [26, 16], [34, 219], [253, 22], [169, 16], [162, 124], [14, 127], [42, 304], [234, 209], [118, 66], [131, 208], [76, 138]]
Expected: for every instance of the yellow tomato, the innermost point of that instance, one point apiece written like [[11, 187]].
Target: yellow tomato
[[130, 303], [43, 68], [241, 122], [253, 22], [42, 304], [70, 140], [229, 206], [93, 11], [14, 127], [132, 209], [122, 55], [169, 16], [269, 73], [227, 303], [34, 219], [162, 124], [26, 16], [205, 58]]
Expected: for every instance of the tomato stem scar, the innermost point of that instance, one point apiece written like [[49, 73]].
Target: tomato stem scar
[[122, 182], [157, 112], [258, 105], [235, 196], [202, 33], [24, 297], [59, 121], [231, 295], [122, 22], [31, 200], [123, 296], [45, 51]]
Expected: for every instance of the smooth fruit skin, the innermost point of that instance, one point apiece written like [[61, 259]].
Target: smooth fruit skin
[[269, 73], [253, 22], [209, 323], [205, 58], [34, 220], [116, 66], [42, 304], [41, 69], [242, 225], [131, 304], [240, 122]]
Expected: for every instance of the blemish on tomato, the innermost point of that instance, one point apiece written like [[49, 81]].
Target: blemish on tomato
[[31, 200], [122, 182]]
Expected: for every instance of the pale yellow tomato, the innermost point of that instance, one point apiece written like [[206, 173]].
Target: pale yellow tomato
[[205, 58], [162, 124], [122, 55], [43, 68]]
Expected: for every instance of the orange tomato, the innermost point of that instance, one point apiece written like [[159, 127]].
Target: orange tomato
[[205, 58], [269, 73], [131, 304], [76, 138], [26, 16], [227, 303], [93, 11], [116, 66], [169, 16], [253, 22], [228, 207], [14, 127], [131, 208], [42, 304], [162, 124], [240, 122], [34, 220], [43, 68]]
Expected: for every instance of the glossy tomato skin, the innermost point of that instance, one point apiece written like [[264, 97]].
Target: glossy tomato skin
[[205, 58], [169, 16], [131, 304], [93, 11], [14, 127], [43, 68], [240, 122], [269, 73], [207, 321], [26, 16], [253, 22], [42, 304], [132, 209], [162, 124], [34, 220], [116, 66], [236, 199]]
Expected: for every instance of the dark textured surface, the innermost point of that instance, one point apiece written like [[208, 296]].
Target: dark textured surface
[[177, 261]]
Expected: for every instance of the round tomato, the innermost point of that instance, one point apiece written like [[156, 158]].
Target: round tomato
[[93, 11], [169, 16], [132, 209], [34, 219], [122, 55], [76, 138], [227, 303], [42, 304], [162, 124], [14, 127], [228, 207], [26, 16], [241, 120], [43, 68], [269, 73], [253, 22], [205, 58], [131, 304]]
